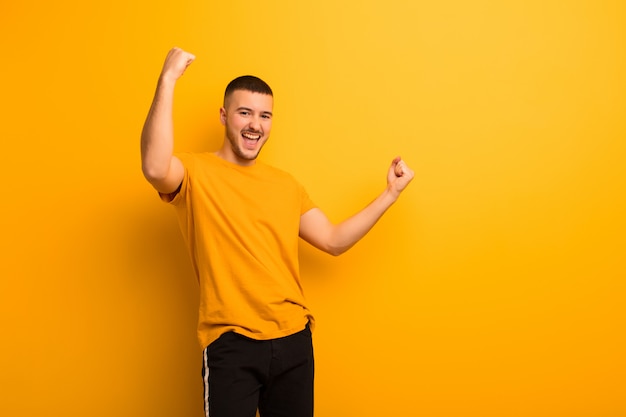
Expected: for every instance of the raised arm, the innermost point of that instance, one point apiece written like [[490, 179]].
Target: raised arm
[[335, 239], [163, 170]]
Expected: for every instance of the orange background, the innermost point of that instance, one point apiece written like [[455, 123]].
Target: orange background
[[495, 287]]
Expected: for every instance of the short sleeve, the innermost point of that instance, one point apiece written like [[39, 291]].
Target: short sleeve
[[306, 203]]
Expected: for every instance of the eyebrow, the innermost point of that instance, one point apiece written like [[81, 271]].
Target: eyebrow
[[251, 111]]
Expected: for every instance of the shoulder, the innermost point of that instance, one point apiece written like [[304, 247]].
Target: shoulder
[[195, 157], [274, 172], [197, 160]]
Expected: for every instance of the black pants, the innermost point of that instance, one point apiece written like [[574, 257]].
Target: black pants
[[274, 376]]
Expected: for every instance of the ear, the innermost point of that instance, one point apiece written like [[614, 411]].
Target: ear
[[223, 115]]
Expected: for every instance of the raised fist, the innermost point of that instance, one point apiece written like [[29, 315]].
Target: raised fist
[[399, 175], [176, 63]]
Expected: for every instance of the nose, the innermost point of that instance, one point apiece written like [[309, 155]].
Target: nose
[[255, 123]]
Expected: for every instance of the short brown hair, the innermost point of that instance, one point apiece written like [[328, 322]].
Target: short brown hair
[[248, 83]]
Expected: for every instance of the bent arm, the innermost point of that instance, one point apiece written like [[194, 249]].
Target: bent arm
[[335, 239], [163, 170]]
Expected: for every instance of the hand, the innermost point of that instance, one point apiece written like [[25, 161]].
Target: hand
[[176, 63], [399, 175]]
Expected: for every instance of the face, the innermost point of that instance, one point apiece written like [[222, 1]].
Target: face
[[247, 118]]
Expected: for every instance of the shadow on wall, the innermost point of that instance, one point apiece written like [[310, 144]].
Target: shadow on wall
[[157, 259], [158, 292]]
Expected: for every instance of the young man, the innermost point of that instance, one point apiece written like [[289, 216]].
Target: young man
[[241, 220]]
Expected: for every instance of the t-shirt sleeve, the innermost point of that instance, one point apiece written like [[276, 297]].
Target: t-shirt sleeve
[[306, 203]]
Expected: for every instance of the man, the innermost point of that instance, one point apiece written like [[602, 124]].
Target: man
[[241, 220]]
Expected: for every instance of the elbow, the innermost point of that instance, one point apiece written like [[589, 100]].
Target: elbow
[[338, 243], [336, 250], [152, 174], [329, 248]]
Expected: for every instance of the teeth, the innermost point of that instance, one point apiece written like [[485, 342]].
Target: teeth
[[251, 136]]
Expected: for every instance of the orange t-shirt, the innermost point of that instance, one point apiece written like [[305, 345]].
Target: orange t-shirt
[[241, 226]]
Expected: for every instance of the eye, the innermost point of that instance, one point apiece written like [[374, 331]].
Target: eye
[[244, 113], [266, 116]]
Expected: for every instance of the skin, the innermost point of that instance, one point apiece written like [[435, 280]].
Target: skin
[[245, 116], [163, 170], [335, 239], [247, 120]]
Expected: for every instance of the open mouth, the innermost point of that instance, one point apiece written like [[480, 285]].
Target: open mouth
[[250, 139], [251, 135]]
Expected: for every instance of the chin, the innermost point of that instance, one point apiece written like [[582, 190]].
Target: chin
[[247, 156]]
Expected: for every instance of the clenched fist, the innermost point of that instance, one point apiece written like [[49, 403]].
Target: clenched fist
[[399, 175], [176, 63]]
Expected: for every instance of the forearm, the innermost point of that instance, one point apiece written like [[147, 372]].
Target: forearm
[[157, 136], [316, 229], [345, 234]]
